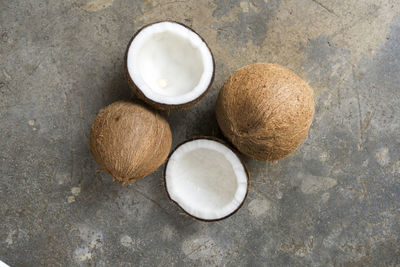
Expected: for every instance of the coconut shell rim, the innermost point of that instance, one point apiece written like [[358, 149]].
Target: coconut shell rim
[[212, 138], [138, 92]]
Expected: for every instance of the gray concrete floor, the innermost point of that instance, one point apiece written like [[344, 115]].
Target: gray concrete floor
[[334, 202]]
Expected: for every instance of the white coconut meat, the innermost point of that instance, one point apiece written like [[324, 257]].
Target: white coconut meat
[[169, 63], [206, 179]]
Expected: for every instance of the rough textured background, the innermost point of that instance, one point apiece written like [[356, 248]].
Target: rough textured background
[[334, 202]]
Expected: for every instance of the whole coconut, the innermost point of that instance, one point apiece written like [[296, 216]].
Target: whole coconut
[[265, 110], [129, 141]]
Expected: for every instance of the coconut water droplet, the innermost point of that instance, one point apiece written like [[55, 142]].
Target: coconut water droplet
[[162, 83]]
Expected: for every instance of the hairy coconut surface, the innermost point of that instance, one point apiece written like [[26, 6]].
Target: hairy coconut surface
[[129, 141], [265, 110]]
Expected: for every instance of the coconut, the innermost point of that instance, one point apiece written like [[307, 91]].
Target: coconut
[[129, 141], [206, 179], [168, 65], [265, 110]]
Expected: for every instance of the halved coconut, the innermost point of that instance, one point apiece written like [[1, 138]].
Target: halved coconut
[[169, 65], [206, 179]]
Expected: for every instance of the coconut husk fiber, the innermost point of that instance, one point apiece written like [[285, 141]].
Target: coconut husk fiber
[[129, 140], [265, 110]]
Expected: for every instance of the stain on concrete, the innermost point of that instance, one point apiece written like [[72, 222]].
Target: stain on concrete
[[324, 156], [325, 197], [312, 184], [70, 199], [326, 63], [97, 5], [75, 191], [224, 7], [90, 245], [126, 241], [204, 250], [382, 156], [299, 248], [82, 254], [363, 34], [259, 207], [249, 24], [245, 6], [9, 240]]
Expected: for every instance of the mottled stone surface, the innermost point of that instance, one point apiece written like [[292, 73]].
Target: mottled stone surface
[[334, 202]]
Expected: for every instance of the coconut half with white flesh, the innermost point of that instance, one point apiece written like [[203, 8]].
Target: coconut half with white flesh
[[206, 179], [168, 65]]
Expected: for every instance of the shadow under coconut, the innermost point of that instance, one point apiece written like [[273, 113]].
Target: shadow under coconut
[[93, 92], [197, 121], [117, 87]]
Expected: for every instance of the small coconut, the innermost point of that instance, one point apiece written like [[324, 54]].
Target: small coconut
[[129, 141], [168, 65], [265, 110]]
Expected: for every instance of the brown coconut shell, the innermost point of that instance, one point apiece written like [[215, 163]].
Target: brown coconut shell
[[234, 151], [265, 110], [136, 90], [129, 140]]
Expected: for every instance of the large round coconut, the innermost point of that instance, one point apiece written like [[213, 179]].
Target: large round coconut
[[129, 141], [265, 110]]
